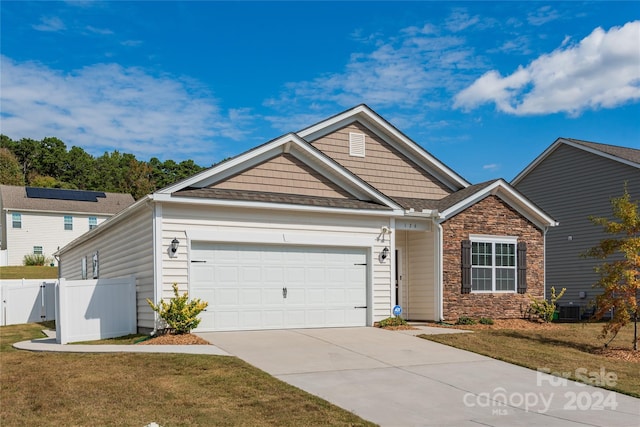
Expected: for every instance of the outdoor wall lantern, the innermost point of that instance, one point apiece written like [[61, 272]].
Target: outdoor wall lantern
[[384, 254], [173, 249]]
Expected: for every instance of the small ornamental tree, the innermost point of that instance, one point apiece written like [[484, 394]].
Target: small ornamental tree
[[546, 309], [620, 277], [179, 313]]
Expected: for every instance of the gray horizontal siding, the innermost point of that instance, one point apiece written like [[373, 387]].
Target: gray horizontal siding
[[571, 185]]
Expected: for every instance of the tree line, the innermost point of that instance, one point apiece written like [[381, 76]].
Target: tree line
[[48, 163]]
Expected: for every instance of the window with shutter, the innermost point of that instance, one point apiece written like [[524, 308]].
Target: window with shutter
[[493, 264], [466, 266], [522, 267]]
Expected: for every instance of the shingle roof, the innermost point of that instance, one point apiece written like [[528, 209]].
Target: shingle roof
[[293, 199], [625, 153], [15, 198], [444, 203]]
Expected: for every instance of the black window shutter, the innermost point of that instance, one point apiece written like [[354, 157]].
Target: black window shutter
[[522, 267], [466, 266]]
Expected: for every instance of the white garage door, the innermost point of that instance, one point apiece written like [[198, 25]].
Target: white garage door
[[277, 287]]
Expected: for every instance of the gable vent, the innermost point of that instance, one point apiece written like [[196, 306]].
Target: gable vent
[[356, 144]]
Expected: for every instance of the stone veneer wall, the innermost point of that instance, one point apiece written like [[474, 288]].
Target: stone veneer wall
[[490, 216]]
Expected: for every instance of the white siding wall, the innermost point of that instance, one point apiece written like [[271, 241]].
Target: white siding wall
[[126, 249], [177, 220], [417, 249], [42, 229], [420, 263]]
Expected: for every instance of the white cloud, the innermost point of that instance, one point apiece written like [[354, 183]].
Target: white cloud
[[491, 166], [131, 43], [104, 107], [460, 20], [412, 69], [101, 31], [601, 71], [542, 16], [50, 24]]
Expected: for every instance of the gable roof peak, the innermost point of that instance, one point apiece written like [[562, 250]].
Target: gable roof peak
[[625, 155], [377, 124]]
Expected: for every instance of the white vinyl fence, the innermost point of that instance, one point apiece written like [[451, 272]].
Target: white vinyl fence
[[27, 301], [88, 310]]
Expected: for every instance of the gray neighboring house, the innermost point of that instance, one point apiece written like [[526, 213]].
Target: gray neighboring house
[[571, 181]]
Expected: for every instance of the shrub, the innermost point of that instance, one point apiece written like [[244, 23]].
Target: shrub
[[36, 259], [543, 308], [485, 321], [392, 321], [464, 320], [179, 313]]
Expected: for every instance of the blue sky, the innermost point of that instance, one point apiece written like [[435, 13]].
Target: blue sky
[[483, 86]]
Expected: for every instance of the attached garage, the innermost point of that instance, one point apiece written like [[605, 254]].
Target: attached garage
[[262, 286]]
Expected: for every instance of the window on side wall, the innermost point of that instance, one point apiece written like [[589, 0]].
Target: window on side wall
[[493, 264], [93, 222], [16, 220], [68, 222], [37, 250]]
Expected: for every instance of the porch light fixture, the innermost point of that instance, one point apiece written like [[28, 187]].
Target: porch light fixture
[[173, 249], [384, 254]]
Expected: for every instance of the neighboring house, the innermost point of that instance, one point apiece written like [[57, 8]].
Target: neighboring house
[[573, 180], [41, 220], [330, 226]]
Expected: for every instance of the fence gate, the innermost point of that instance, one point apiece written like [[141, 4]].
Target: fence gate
[[27, 301]]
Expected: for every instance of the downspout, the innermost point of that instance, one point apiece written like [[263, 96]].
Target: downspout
[[439, 277], [544, 262], [157, 260]]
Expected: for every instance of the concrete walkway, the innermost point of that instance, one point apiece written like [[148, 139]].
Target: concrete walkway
[[49, 344], [395, 379]]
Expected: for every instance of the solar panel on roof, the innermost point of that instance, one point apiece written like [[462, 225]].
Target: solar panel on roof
[[63, 194]]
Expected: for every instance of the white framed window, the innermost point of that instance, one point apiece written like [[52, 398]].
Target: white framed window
[[16, 220], [356, 144], [93, 222], [68, 222], [494, 264], [37, 250]]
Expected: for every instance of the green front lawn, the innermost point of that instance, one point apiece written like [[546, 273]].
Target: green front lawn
[[574, 349], [137, 389]]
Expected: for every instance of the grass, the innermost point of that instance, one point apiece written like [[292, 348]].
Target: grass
[[561, 348], [28, 272], [137, 389], [123, 340]]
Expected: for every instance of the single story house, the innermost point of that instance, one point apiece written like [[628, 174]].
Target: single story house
[[330, 226], [41, 220], [573, 180]]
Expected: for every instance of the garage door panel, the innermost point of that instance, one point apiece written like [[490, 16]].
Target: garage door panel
[[228, 297], [315, 297], [244, 286], [272, 296], [250, 319], [251, 274], [250, 297], [296, 296], [203, 274], [227, 274], [272, 319], [295, 275]]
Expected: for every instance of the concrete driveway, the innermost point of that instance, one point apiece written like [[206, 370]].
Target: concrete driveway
[[395, 379]]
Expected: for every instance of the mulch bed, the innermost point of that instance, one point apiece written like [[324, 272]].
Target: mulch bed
[[173, 339]]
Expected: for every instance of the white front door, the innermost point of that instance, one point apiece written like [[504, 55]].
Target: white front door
[[256, 286]]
